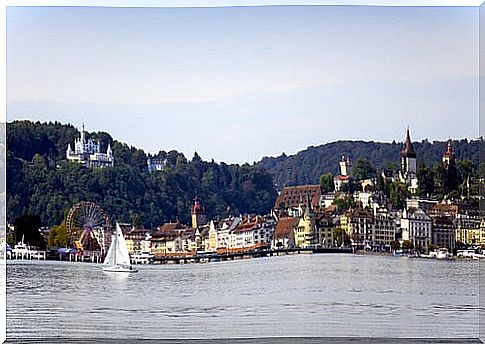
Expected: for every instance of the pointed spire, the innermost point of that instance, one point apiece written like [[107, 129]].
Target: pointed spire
[[449, 149], [408, 150]]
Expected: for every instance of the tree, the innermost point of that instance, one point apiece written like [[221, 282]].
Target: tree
[[350, 187], [326, 182], [425, 179], [465, 172], [340, 234], [27, 227], [344, 202], [58, 236], [397, 194], [363, 170]]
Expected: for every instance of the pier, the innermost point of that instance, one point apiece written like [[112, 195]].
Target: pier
[[221, 256]]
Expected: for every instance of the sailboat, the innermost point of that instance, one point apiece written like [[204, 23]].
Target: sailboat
[[118, 259]]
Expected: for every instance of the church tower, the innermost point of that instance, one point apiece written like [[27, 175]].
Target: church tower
[[448, 156], [198, 214], [450, 180], [408, 160], [345, 166]]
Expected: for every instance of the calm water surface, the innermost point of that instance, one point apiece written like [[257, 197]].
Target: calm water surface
[[302, 295]]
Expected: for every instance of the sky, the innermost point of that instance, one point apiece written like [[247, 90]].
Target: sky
[[239, 83]]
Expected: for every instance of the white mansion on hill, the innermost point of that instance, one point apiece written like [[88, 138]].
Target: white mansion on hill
[[87, 152]]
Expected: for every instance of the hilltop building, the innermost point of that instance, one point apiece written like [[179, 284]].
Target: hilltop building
[[408, 164], [156, 164], [343, 178], [88, 153]]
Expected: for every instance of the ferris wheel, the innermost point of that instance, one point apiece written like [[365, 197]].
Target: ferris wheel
[[86, 226]]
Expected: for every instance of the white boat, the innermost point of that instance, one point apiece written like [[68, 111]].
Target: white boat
[[118, 258], [442, 254], [21, 249]]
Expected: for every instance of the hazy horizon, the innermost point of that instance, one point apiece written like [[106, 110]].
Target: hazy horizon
[[237, 84]]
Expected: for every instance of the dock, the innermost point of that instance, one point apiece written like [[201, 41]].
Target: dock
[[221, 256]]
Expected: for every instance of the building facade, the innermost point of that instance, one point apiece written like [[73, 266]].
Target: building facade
[[416, 227], [88, 153]]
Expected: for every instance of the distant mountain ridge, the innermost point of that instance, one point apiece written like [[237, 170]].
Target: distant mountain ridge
[[306, 166]]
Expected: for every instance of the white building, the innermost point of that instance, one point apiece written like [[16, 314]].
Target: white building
[[416, 227], [154, 164], [87, 152]]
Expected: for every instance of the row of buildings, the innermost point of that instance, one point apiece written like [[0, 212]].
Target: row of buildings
[[305, 216], [424, 223]]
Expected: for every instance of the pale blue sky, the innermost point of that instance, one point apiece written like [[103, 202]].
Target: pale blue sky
[[237, 84]]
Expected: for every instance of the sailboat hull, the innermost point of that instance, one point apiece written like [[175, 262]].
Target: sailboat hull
[[119, 269]]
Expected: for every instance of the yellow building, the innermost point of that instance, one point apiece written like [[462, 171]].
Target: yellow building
[[212, 242], [305, 230]]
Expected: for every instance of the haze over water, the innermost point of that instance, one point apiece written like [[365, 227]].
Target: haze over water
[[302, 295]]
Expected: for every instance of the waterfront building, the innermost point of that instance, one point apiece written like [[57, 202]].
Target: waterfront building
[[211, 245], [167, 239], [358, 224], [136, 240], [243, 234], [416, 227], [443, 232], [156, 164], [284, 234], [324, 229], [189, 240], [305, 231], [88, 153], [384, 230], [225, 236], [198, 213], [408, 165], [252, 232], [466, 220]]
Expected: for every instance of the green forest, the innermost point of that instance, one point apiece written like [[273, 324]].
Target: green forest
[[307, 166], [41, 182]]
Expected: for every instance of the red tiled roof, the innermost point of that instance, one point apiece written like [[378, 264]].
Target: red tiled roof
[[293, 196], [284, 226]]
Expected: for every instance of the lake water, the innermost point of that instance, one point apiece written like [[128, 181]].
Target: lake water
[[300, 295]]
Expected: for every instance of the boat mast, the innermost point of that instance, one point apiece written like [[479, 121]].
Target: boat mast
[[116, 244]]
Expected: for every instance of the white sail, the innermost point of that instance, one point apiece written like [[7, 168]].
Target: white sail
[[109, 260], [118, 258], [122, 255]]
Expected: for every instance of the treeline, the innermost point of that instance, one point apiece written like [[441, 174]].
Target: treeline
[[41, 182], [307, 166]]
